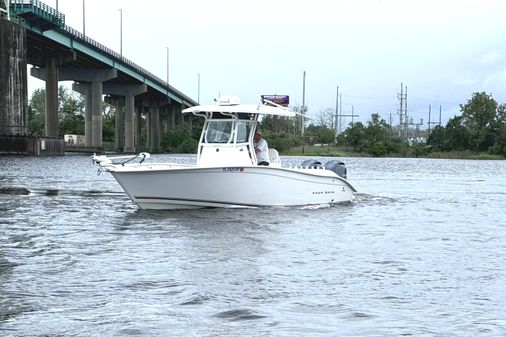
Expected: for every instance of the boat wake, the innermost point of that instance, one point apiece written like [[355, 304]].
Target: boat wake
[[16, 190]]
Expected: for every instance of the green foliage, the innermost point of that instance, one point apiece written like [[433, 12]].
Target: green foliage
[[278, 124], [178, 141], [70, 112], [480, 128], [375, 139], [478, 117], [419, 150], [36, 110], [108, 122], [281, 141], [324, 134]]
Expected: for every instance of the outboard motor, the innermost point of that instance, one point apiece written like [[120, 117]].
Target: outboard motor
[[311, 163], [336, 166]]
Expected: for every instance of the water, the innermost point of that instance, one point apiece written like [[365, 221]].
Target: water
[[421, 252]]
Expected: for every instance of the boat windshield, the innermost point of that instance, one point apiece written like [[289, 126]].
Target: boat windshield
[[219, 131], [243, 130]]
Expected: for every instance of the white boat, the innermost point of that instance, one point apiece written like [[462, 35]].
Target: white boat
[[226, 173]]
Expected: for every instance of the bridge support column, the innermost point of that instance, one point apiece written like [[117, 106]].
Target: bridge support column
[[119, 125], [129, 123], [154, 127], [13, 82], [164, 127], [96, 113], [87, 117], [51, 126], [173, 117], [126, 127], [138, 125], [85, 90], [51, 75]]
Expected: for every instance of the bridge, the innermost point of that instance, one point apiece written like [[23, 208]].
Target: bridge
[[36, 34]]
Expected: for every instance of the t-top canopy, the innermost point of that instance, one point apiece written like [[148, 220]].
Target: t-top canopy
[[229, 105]]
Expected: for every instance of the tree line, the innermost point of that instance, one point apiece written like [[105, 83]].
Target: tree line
[[480, 128]]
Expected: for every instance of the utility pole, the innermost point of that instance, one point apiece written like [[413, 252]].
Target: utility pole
[[429, 118], [167, 65], [340, 110], [303, 103], [198, 89], [403, 112], [335, 116], [120, 32], [84, 19]]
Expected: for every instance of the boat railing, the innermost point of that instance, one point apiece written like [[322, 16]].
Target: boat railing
[[102, 160]]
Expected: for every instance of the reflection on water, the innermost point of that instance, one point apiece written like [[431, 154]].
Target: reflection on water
[[420, 251]]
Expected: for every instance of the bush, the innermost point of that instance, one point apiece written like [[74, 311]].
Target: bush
[[377, 149], [282, 142], [178, 141]]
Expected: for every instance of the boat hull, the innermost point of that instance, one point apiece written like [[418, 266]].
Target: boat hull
[[231, 187]]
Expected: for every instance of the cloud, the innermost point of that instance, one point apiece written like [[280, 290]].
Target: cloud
[[491, 58]]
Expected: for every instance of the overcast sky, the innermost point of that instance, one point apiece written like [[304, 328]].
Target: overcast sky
[[443, 51]]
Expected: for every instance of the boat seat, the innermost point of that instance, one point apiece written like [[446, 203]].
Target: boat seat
[[274, 157]]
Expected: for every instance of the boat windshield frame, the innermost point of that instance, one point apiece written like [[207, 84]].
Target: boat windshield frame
[[228, 128]]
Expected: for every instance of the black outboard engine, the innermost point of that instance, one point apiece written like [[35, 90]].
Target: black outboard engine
[[336, 166], [311, 163]]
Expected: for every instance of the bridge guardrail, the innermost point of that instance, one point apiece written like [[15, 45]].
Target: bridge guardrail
[[76, 34]]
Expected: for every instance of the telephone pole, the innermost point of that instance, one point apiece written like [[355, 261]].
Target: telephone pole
[[336, 115], [303, 103]]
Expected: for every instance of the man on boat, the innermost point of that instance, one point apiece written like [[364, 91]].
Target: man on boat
[[261, 149]]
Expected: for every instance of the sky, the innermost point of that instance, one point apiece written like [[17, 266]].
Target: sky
[[442, 51]]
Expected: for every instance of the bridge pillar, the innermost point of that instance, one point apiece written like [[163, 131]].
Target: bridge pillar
[[164, 119], [96, 112], [173, 117], [148, 131], [119, 125], [96, 77], [126, 127], [51, 126], [138, 126], [154, 127], [13, 84], [85, 90], [51, 75]]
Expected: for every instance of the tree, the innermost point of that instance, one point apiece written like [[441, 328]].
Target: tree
[[70, 112], [457, 135], [36, 111], [108, 122], [326, 118], [437, 139], [375, 138], [478, 117], [499, 129], [354, 136]]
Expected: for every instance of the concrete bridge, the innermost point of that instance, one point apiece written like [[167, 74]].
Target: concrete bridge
[[36, 34]]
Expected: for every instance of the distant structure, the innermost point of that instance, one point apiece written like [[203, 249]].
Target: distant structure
[[34, 33], [403, 112], [13, 87]]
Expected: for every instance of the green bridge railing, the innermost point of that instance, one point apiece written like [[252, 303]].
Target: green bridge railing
[[38, 9]]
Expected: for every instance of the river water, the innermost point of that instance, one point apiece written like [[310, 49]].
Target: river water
[[420, 252]]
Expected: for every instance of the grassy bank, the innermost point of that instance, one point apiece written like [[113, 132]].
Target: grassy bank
[[320, 151], [332, 151]]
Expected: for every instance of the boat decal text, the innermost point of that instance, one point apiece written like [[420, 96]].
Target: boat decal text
[[323, 192], [233, 169]]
